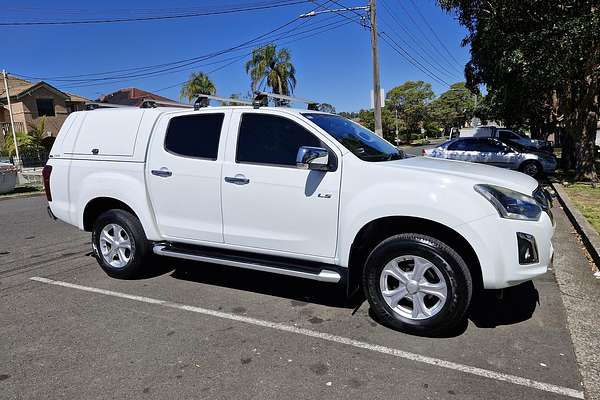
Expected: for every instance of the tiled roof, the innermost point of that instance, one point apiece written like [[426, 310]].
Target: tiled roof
[[130, 97]]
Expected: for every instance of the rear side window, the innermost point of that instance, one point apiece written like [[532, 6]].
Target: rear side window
[[269, 139], [195, 135], [486, 146]]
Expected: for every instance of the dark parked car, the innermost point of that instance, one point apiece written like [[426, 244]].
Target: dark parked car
[[494, 152]]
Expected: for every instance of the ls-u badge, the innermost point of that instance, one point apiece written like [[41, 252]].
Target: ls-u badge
[[324, 195]]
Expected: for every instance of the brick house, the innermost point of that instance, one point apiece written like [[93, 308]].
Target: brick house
[[32, 101], [131, 97]]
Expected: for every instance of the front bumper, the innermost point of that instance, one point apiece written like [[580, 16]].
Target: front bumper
[[494, 240]]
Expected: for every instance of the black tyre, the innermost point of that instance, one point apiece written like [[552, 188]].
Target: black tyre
[[531, 168], [417, 284], [120, 244]]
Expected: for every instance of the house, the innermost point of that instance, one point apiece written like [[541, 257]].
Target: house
[[131, 97], [32, 101]]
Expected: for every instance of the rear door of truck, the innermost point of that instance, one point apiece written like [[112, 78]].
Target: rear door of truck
[[184, 174]]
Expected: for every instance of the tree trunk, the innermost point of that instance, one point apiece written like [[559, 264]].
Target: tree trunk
[[585, 169]]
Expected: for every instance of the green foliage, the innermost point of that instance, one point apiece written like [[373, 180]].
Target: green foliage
[[411, 100], [454, 107], [538, 60], [29, 143], [199, 83], [272, 67], [326, 107]]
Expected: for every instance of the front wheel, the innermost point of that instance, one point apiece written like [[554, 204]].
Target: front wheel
[[417, 284], [120, 244]]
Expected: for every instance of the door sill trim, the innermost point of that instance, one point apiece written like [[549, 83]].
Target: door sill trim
[[324, 275]]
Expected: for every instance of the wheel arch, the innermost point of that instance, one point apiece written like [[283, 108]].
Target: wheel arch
[[375, 231], [96, 206]]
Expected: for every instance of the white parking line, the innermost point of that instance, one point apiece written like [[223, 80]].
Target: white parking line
[[499, 376]]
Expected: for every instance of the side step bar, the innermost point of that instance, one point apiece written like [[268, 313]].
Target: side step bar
[[321, 275]]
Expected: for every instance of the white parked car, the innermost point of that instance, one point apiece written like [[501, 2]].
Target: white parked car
[[299, 193]]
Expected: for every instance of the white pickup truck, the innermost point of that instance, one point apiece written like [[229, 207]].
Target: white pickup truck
[[300, 193]]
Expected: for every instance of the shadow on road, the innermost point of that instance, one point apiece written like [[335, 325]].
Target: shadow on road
[[489, 308]]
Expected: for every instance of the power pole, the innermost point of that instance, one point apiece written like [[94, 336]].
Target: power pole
[[375, 62], [12, 123], [371, 9]]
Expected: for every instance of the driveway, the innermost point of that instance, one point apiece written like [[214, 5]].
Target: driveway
[[191, 330]]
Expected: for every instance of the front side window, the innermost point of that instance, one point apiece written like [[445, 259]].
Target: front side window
[[461, 145], [195, 136], [487, 146], [270, 139], [508, 135], [363, 143], [45, 107]]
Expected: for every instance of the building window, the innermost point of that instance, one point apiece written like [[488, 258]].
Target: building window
[[45, 107]]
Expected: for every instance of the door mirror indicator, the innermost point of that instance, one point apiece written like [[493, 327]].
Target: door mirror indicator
[[313, 158]]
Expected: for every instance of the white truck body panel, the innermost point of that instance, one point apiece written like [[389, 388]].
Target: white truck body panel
[[286, 211]]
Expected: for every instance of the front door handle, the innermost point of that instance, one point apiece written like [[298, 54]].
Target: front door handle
[[163, 172], [238, 180]]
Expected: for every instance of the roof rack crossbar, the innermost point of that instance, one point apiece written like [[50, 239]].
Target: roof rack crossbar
[[93, 105], [261, 99], [153, 103], [203, 100]]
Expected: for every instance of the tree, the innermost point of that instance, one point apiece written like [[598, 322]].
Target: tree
[[326, 107], [453, 108], [199, 83], [274, 68], [538, 59], [411, 101], [29, 143]]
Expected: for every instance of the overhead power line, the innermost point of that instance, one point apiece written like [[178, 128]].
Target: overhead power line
[[433, 32], [425, 36], [420, 51], [406, 55], [153, 18]]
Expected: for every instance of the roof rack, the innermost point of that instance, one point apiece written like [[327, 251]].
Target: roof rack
[[261, 99], [153, 103], [204, 99], [93, 105]]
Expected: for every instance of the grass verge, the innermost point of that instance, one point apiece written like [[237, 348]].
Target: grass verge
[[587, 199]]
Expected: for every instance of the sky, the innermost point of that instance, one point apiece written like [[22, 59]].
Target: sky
[[331, 51]]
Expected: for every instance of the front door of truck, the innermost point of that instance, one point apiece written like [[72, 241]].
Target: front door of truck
[[268, 202], [184, 175]]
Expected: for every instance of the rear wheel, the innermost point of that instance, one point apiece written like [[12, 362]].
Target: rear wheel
[[417, 284], [531, 168], [120, 245]]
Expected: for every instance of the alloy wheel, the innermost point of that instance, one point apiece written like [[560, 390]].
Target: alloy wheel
[[115, 245], [413, 287]]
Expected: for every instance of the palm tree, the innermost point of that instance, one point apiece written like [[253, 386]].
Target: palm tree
[[274, 67], [199, 83]]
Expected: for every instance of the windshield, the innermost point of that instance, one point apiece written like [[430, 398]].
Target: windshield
[[363, 143]]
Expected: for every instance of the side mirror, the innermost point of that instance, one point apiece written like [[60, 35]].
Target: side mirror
[[313, 158]]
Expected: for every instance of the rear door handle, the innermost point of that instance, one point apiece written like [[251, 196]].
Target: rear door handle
[[238, 180], [163, 172]]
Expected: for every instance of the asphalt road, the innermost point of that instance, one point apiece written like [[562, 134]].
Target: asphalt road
[[226, 333]]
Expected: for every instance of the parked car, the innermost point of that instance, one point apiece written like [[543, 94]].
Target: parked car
[[495, 152], [510, 136], [300, 193]]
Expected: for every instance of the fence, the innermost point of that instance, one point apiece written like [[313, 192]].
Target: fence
[[6, 130], [28, 160]]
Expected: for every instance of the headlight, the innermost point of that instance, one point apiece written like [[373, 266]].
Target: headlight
[[510, 204]]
